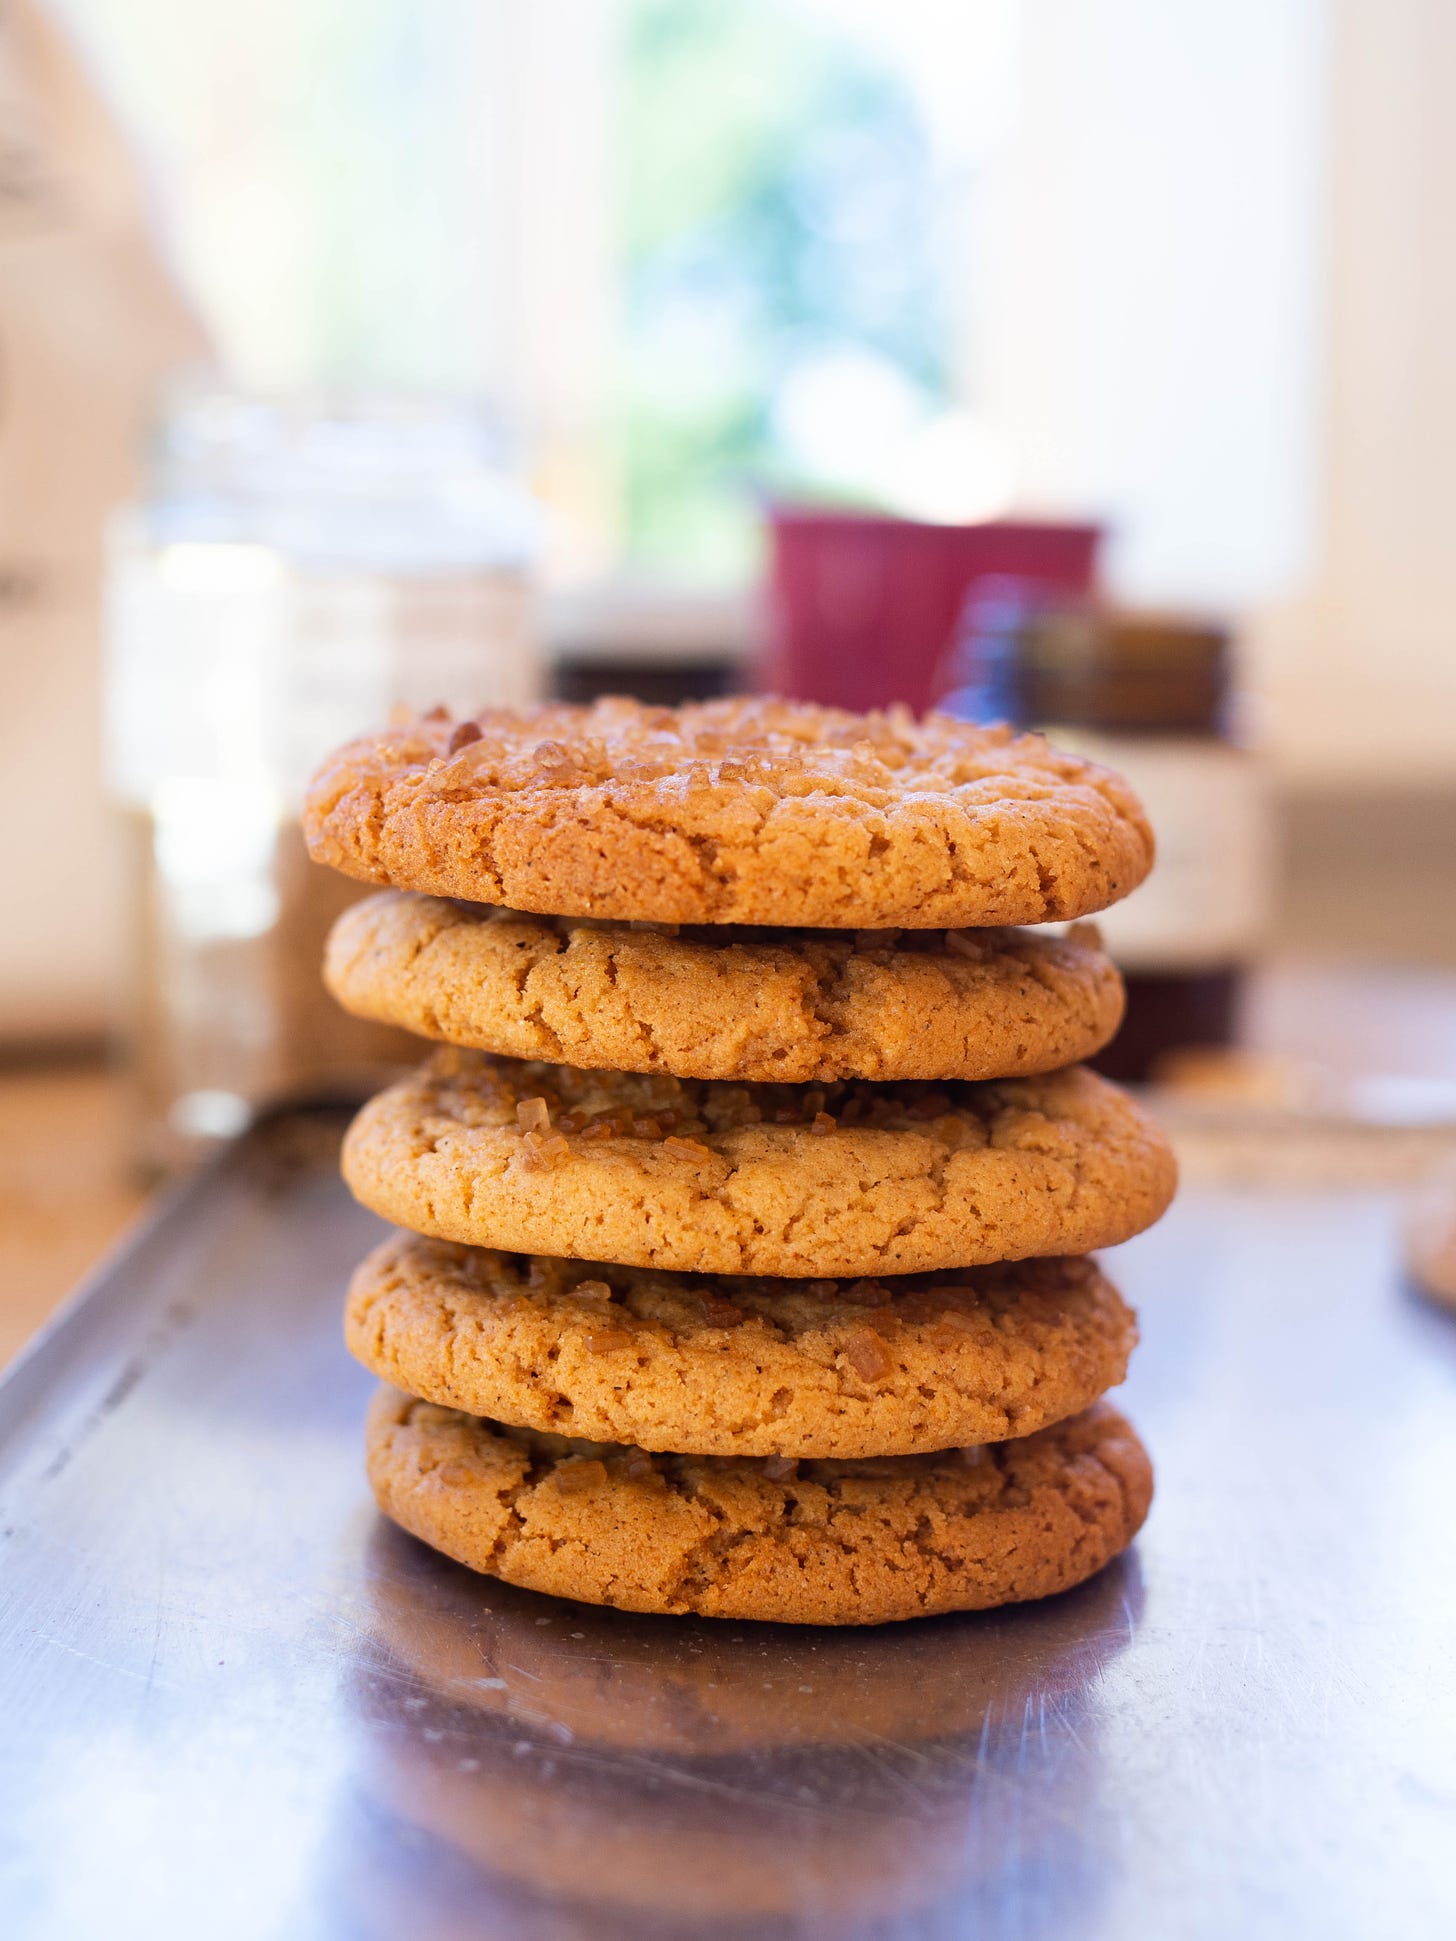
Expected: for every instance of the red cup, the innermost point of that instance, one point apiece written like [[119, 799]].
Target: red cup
[[862, 608]]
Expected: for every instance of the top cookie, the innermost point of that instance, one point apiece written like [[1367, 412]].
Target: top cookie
[[748, 811]]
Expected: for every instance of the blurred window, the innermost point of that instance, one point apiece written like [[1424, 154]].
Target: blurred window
[[699, 251], [1186, 268], [787, 319]]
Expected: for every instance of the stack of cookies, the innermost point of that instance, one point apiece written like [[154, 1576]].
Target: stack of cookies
[[747, 1211]]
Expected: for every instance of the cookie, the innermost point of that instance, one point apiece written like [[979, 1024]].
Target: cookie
[[694, 1688], [794, 1006], [866, 1542], [828, 1182], [740, 1367], [739, 811]]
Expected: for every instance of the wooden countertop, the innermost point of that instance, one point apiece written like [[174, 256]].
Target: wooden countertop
[[65, 1198]]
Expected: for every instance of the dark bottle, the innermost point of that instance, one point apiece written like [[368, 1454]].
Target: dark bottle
[[1149, 695]]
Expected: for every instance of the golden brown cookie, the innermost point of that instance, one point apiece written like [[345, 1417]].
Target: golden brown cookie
[[693, 1687], [792, 1006], [740, 811], [740, 1367], [882, 1738], [868, 1542], [827, 1182]]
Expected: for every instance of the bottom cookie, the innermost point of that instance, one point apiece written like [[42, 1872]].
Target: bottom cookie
[[865, 1542]]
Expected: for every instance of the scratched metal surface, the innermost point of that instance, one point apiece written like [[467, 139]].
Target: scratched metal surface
[[231, 1701]]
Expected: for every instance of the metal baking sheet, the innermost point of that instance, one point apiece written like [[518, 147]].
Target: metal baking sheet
[[233, 1703]]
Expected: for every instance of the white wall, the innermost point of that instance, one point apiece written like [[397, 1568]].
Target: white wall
[[1361, 665], [1148, 332], [356, 192], [1219, 305], [90, 322]]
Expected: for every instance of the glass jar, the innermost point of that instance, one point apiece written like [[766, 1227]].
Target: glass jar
[[1150, 695], [295, 573]]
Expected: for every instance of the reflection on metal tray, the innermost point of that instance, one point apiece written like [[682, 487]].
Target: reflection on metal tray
[[235, 1703]]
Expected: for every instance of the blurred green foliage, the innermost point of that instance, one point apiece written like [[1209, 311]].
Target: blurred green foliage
[[778, 210]]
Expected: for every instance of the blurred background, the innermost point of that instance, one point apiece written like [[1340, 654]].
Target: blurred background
[[1087, 366]]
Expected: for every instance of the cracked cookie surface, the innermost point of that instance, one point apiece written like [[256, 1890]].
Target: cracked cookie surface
[[740, 1367], [750, 811], [830, 1182], [866, 1542], [793, 1006]]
